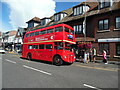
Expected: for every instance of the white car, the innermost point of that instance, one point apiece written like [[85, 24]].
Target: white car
[[2, 51]]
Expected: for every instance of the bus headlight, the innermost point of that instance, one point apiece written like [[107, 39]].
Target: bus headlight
[[74, 57], [65, 57]]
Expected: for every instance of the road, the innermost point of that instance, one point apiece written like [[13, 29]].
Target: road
[[22, 73]]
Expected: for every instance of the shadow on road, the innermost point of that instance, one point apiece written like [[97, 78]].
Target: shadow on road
[[46, 62]]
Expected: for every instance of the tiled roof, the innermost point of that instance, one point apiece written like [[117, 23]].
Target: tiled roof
[[34, 19], [93, 11]]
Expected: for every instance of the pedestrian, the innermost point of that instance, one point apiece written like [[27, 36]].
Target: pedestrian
[[90, 54], [85, 57], [82, 55], [105, 56], [94, 54]]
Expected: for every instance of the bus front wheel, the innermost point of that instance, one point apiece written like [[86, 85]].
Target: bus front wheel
[[57, 61], [29, 56]]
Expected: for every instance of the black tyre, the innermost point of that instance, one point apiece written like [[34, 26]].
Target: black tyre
[[57, 60], [29, 56]]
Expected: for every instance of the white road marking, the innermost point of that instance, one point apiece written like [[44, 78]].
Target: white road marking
[[37, 70], [92, 87], [10, 61]]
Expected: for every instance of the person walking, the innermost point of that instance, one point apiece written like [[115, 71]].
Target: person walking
[[90, 54], [105, 56], [94, 54]]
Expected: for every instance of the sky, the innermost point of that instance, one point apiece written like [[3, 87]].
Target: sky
[[15, 13]]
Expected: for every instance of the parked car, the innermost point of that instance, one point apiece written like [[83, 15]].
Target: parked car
[[2, 51]]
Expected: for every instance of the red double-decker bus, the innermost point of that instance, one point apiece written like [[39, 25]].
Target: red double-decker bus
[[52, 43]]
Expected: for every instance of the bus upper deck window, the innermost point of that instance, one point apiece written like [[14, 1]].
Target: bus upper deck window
[[36, 33], [43, 32], [32, 34], [66, 29], [58, 29], [72, 31], [27, 35], [50, 30]]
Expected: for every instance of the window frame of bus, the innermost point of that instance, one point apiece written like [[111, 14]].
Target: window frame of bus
[[52, 29], [60, 30], [69, 30], [35, 46], [27, 35], [30, 46], [32, 34], [43, 46], [46, 46], [43, 31], [36, 33]]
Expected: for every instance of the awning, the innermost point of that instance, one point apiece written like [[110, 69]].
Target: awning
[[85, 39]]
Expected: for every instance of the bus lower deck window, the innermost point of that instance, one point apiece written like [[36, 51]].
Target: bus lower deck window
[[49, 46], [35, 46], [41, 46], [30, 47]]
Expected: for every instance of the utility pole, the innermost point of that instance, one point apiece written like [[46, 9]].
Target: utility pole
[[84, 25]]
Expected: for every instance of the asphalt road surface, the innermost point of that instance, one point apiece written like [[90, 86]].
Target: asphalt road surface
[[22, 73]]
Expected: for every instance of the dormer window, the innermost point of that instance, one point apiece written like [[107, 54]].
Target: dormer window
[[105, 3], [80, 10], [59, 16], [44, 21]]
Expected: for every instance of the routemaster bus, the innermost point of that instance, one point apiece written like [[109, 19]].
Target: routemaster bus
[[52, 43]]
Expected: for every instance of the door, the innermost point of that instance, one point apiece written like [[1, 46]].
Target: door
[[49, 52]]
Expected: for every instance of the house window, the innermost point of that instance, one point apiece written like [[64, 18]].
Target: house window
[[78, 10], [117, 22], [103, 24], [43, 22], [59, 16], [103, 46], [78, 29], [118, 49], [105, 3]]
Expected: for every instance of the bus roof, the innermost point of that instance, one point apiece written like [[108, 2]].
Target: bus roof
[[48, 27]]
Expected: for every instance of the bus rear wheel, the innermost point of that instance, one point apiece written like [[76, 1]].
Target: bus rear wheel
[[57, 61], [29, 56]]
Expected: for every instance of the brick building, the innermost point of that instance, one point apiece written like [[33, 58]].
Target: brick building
[[96, 22]]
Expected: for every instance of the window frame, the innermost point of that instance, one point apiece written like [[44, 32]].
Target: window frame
[[103, 25], [47, 45], [104, 4], [104, 47], [117, 22], [41, 45], [117, 45], [30, 46], [77, 29]]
